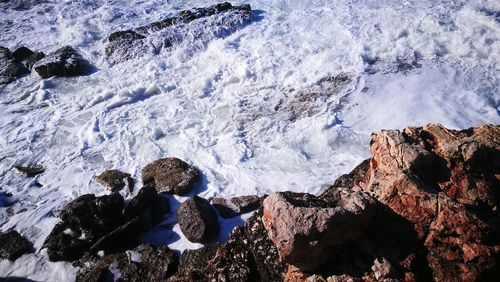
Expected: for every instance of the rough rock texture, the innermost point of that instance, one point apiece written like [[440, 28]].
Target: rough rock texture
[[10, 69], [143, 263], [302, 226], [65, 61], [248, 255], [90, 224], [168, 33], [231, 207], [197, 220], [13, 245], [170, 175], [115, 180]]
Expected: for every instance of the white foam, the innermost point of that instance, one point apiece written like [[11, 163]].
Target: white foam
[[213, 104]]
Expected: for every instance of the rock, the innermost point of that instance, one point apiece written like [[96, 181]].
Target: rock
[[170, 175], [31, 60], [443, 182], [115, 180], [382, 269], [63, 244], [120, 238], [9, 68], [21, 54], [302, 226], [13, 245], [197, 220], [148, 205], [65, 61], [235, 206], [170, 32], [30, 171], [143, 263]]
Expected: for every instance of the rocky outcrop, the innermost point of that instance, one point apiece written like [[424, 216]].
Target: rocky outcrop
[[115, 180], [170, 175], [218, 19], [197, 220], [231, 207], [13, 245], [143, 263], [30, 171], [303, 226], [10, 67], [91, 224], [64, 62]]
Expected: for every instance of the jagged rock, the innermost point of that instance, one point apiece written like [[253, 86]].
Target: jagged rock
[[381, 268], [30, 171], [115, 180], [302, 226], [143, 263], [248, 255], [168, 33], [65, 61], [170, 175], [197, 220], [9, 68], [31, 60], [13, 245], [444, 183], [91, 224], [148, 205], [231, 207]]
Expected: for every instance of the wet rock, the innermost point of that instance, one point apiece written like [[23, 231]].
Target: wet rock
[[115, 180], [13, 245], [21, 54], [231, 207], [9, 68], [170, 175], [30, 171], [32, 59], [148, 205], [197, 220], [120, 238], [63, 244], [143, 263], [302, 226], [170, 32], [65, 61]]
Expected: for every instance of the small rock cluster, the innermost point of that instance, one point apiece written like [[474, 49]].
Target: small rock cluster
[[65, 61]]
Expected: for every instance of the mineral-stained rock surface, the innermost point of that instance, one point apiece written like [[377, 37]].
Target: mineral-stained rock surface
[[170, 175], [231, 207], [65, 61], [303, 226], [197, 220], [115, 180], [13, 245], [215, 20], [91, 224], [143, 263]]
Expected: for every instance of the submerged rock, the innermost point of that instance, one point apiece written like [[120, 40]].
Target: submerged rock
[[170, 175], [143, 263], [30, 171], [197, 220], [232, 207], [115, 180], [13, 245], [218, 19], [65, 61]]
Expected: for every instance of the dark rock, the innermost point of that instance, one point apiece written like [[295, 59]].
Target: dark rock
[[148, 205], [30, 171], [13, 245], [9, 69], [170, 175], [63, 62], [120, 238], [197, 220], [115, 180], [62, 244], [224, 17], [21, 54], [143, 263], [235, 206], [31, 60]]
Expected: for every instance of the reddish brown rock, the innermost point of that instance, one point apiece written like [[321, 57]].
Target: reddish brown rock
[[170, 175], [302, 226], [115, 180]]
